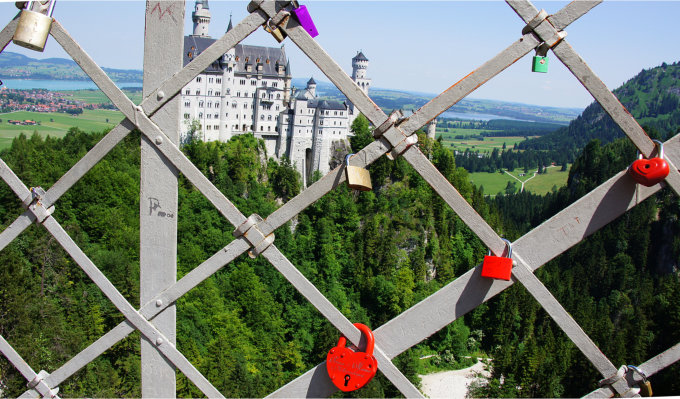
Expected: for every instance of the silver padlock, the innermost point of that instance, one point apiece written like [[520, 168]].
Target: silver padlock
[[357, 178], [33, 27]]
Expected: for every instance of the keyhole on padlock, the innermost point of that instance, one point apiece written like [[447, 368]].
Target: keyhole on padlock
[[647, 166], [542, 61], [347, 377]]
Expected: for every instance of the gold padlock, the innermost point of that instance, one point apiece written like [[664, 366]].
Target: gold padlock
[[278, 34], [33, 27], [357, 178], [644, 385]]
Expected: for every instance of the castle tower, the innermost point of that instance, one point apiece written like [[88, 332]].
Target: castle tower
[[311, 86], [432, 128], [201, 18], [359, 67]]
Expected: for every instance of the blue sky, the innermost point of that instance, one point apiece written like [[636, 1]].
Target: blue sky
[[421, 46]]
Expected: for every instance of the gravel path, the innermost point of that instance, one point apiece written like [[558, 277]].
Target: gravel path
[[451, 384]]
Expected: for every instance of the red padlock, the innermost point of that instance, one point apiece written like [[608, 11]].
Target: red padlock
[[498, 266], [350, 370], [649, 172]]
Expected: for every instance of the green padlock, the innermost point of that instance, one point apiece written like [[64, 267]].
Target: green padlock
[[540, 64]]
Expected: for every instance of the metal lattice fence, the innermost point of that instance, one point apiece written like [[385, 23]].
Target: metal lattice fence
[[394, 136]]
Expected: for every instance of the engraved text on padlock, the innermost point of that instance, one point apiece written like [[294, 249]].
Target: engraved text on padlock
[[33, 28]]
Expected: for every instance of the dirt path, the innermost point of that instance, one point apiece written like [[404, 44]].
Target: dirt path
[[451, 384]]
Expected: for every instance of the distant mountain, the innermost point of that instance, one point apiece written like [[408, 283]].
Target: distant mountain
[[398, 99], [19, 66], [652, 97]]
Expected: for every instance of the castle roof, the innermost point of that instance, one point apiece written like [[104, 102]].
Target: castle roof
[[245, 54], [326, 104], [311, 81], [360, 57], [204, 4]]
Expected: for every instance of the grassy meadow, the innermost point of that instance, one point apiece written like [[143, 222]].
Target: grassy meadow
[[56, 124], [496, 182]]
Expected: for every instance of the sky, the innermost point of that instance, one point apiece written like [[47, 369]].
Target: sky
[[422, 46]]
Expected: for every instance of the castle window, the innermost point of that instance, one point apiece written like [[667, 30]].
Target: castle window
[[269, 117], [238, 94], [208, 127], [198, 79], [243, 81], [210, 80], [226, 114], [278, 96], [217, 93], [253, 82], [245, 94], [187, 92], [198, 92], [187, 103], [275, 84], [217, 104], [245, 106], [186, 116], [336, 113], [261, 117], [264, 83], [200, 104], [321, 123], [233, 105], [209, 104], [228, 91], [209, 116], [269, 128], [200, 115], [217, 127], [216, 116], [277, 107], [333, 123], [210, 92], [218, 80]]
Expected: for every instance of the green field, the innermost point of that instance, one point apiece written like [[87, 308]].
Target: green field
[[56, 124], [98, 97], [494, 183]]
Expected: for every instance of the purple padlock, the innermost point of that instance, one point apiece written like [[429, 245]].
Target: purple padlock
[[305, 19]]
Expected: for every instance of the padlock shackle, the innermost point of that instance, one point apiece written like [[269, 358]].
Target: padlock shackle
[[370, 340], [659, 154], [508, 245], [347, 159], [50, 10], [637, 370]]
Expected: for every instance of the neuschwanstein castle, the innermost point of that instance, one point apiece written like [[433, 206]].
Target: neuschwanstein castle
[[248, 89]]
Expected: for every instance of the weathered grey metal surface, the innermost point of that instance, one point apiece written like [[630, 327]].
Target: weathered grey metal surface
[[163, 57], [8, 32], [330, 312], [531, 251], [162, 343], [571, 12]]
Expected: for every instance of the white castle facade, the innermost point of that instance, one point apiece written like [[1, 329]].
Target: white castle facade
[[249, 89]]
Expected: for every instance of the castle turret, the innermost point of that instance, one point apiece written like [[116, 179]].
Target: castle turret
[[201, 18], [432, 129], [359, 67], [311, 87]]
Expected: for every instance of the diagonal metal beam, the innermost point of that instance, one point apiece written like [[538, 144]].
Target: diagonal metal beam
[[571, 12], [7, 33], [556, 235], [155, 337]]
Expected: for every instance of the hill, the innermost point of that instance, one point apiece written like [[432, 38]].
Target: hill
[[652, 97], [19, 66], [396, 99]]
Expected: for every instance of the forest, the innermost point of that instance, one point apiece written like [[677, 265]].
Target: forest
[[372, 254]]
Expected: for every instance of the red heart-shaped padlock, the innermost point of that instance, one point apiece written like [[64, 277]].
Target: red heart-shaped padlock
[[351, 370], [649, 172]]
